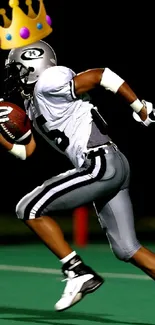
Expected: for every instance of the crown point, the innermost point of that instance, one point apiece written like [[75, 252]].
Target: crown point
[[24, 33], [28, 2], [13, 3], [2, 12], [6, 20], [48, 20]]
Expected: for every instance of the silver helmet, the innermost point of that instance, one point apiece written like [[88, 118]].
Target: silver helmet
[[32, 60]]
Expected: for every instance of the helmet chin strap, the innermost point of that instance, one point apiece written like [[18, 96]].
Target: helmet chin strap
[[27, 91], [25, 95]]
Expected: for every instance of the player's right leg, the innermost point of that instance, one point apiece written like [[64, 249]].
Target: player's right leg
[[117, 218]]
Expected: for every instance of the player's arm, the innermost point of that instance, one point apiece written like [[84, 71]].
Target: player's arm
[[105, 77], [19, 150]]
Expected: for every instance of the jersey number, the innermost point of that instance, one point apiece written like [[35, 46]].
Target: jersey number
[[60, 139]]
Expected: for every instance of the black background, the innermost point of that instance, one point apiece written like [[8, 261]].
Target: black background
[[87, 36]]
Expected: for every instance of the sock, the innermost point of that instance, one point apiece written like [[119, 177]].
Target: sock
[[68, 257]]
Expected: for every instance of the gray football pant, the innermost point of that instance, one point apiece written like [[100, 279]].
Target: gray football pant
[[104, 181]]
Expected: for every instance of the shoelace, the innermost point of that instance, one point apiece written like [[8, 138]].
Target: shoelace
[[69, 277]]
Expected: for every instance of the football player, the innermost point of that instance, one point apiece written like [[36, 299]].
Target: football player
[[56, 101]]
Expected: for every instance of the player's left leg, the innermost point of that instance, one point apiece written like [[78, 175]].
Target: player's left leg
[[34, 209], [71, 189], [117, 218], [81, 279]]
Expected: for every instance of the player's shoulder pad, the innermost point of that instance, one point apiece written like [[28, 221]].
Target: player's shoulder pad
[[55, 77]]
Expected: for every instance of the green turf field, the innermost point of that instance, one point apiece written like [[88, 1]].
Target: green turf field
[[31, 284]]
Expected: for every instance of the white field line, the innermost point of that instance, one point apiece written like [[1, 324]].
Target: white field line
[[30, 269]]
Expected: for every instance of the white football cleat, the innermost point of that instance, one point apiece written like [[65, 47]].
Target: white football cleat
[[81, 280]]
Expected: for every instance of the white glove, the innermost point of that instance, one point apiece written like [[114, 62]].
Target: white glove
[[4, 111], [150, 114]]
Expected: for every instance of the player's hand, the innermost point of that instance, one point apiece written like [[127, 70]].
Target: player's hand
[[150, 114], [4, 111]]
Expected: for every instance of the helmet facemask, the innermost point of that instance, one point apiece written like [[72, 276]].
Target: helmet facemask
[[15, 78]]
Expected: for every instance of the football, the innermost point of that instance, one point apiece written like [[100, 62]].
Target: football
[[18, 128]]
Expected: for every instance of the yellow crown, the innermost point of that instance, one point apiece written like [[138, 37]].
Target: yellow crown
[[24, 29]]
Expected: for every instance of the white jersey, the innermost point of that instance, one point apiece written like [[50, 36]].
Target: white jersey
[[61, 118]]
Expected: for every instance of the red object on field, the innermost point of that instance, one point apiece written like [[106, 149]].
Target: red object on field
[[80, 226]]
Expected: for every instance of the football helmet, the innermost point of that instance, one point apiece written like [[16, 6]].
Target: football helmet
[[25, 64], [34, 58]]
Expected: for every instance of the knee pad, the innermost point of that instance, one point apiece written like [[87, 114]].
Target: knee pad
[[123, 249]]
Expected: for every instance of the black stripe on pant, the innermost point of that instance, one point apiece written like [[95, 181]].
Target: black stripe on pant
[[65, 190]]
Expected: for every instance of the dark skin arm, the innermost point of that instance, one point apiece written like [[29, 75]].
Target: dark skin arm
[[30, 147], [89, 79]]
